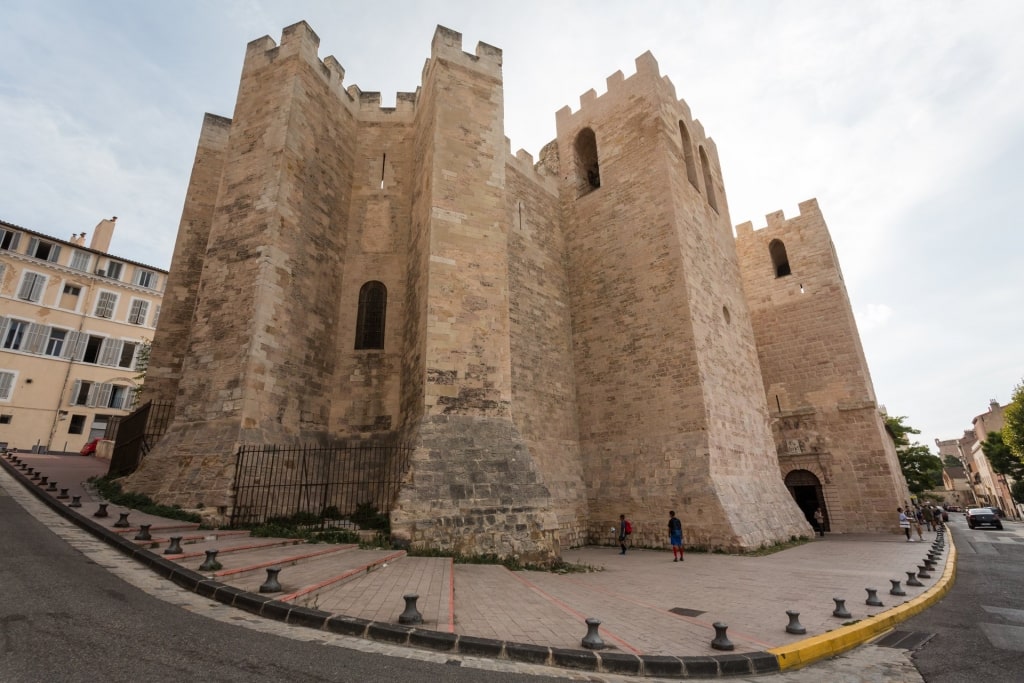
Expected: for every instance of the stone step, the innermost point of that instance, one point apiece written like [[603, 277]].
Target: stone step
[[252, 564]]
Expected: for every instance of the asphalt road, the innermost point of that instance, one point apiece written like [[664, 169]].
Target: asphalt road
[[64, 618], [979, 625]]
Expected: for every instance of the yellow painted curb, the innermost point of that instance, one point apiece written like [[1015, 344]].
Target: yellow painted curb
[[810, 650]]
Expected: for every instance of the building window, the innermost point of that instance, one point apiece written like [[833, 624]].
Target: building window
[[55, 343], [14, 336], [77, 424], [80, 260], [145, 278], [709, 182], [106, 305], [43, 250], [6, 419], [32, 287], [587, 165], [137, 314], [9, 240], [6, 385], [72, 290], [780, 262], [93, 345], [127, 356], [81, 393], [691, 167], [373, 301], [113, 270]]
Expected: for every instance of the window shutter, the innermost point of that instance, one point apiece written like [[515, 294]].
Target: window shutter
[[33, 244], [15, 241], [105, 305], [6, 383], [69, 344], [75, 388], [54, 253], [25, 292], [91, 398], [5, 323], [78, 348], [102, 397], [35, 340], [110, 352], [37, 288]]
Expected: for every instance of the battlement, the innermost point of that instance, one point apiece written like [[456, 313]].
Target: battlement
[[301, 40], [447, 45], [777, 219], [523, 162]]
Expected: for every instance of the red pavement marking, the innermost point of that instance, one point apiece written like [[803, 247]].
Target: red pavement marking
[[284, 560], [561, 605], [451, 596], [240, 548], [340, 577]]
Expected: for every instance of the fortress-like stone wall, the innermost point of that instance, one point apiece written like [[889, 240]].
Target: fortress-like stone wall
[[565, 340]]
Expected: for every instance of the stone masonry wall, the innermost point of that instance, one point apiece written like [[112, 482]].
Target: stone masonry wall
[[815, 375], [543, 382], [664, 421]]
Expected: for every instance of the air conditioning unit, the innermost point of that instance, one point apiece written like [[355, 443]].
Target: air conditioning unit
[[101, 273]]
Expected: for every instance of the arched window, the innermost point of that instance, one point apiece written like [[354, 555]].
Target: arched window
[[780, 262], [588, 168], [709, 183], [691, 167], [373, 303]]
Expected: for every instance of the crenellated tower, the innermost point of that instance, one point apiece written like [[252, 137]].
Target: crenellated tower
[[833, 448]]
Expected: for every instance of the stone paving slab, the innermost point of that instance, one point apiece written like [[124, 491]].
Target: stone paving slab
[[304, 574], [491, 602], [258, 559], [377, 595]]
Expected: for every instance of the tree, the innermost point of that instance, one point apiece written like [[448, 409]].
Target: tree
[[1013, 422], [899, 431], [921, 469], [1017, 490], [1000, 457], [952, 461]]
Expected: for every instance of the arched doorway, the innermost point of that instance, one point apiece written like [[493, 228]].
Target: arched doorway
[[806, 491]]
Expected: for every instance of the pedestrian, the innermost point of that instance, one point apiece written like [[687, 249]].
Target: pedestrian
[[929, 517], [819, 522], [625, 529], [904, 524], [675, 536], [917, 519]]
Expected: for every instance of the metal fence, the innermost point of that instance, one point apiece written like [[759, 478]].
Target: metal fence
[[137, 433], [326, 483]]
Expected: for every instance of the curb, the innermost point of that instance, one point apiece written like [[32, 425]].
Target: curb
[[783, 658]]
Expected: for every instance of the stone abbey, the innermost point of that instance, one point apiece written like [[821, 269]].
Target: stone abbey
[[558, 341]]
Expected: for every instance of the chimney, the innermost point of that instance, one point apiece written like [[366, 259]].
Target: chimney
[[102, 234]]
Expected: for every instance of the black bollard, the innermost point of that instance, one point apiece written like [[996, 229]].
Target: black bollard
[[896, 589], [840, 610], [922, 572], [912, 579], [873, 598], [411, 615], [210, 564], [63, 495], [271, 585], [101, 511], [794, 623], [76, 502], [52, 488], [721, 641], [143, 534], [122, 521], [592, 641], [35, 475], [174, 547], [41, 480]]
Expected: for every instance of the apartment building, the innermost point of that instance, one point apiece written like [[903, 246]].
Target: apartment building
[[74, 322]]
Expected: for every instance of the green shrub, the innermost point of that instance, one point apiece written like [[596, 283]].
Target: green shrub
[[111, 491]]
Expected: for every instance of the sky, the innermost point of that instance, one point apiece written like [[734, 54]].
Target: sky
[[904, 119]]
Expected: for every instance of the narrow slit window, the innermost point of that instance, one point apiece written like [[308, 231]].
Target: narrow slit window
[[709, 181], [691, 166], [383, 167], [587, 162], [780, 262], [373, 301]]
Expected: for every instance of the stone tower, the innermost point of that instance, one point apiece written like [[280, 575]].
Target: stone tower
[[556, 343], [833, 448]]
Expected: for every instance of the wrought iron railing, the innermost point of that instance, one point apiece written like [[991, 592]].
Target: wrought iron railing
[[318, 484], [136, 434]]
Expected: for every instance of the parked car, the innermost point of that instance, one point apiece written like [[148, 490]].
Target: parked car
[[90, 448], [983, 517]]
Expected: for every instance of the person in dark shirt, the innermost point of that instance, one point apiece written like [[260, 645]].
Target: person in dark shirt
[[675, 536]]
